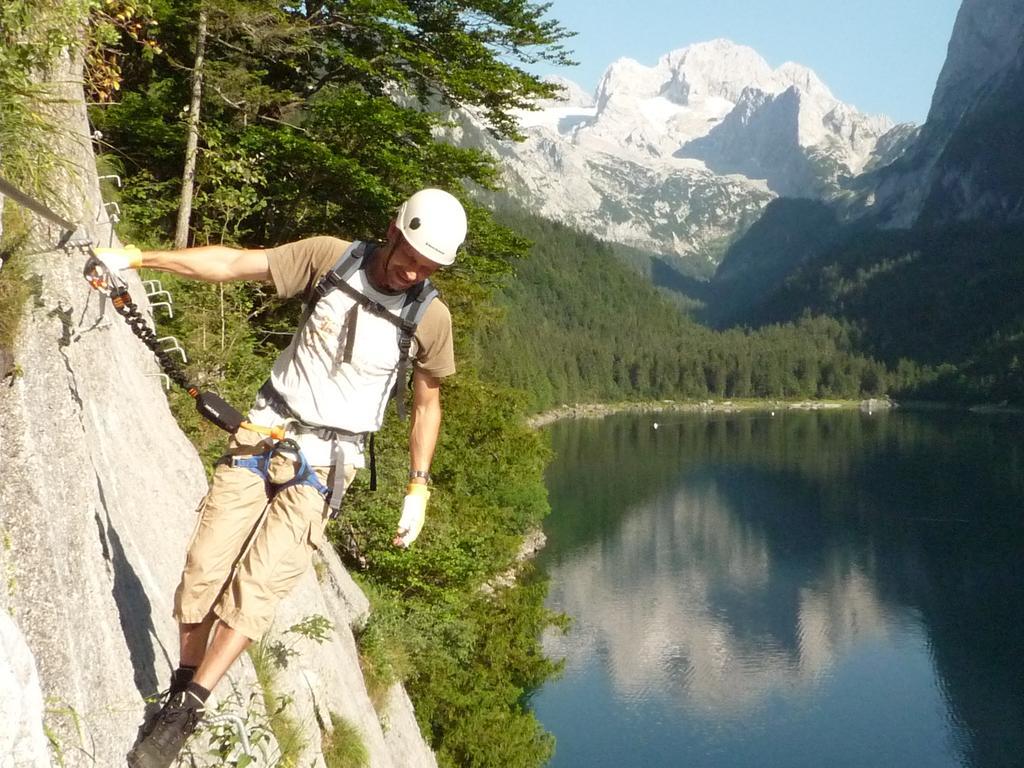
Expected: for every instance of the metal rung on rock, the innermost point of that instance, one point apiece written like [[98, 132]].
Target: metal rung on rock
[[174, 347], [154, 288], [239, 725], [170, 312], [166, 380], [114, 217]]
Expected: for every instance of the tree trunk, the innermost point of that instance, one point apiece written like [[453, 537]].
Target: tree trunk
[[191, 148]]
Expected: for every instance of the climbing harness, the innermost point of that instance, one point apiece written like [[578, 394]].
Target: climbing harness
[[298, 467], [295, 470], [268, 394]]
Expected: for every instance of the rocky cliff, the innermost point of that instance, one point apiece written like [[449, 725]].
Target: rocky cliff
[[97, 497], [964, 164]]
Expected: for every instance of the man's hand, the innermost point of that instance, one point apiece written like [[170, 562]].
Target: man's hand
[[119, 259], [414, 512]]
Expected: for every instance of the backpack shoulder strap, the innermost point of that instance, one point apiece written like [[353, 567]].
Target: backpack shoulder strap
[[415, 307], [349, 263], [417, 302], [418, 298], [346, 266]]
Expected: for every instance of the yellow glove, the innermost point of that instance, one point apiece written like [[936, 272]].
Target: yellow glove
[[414, 512], [119, 259]]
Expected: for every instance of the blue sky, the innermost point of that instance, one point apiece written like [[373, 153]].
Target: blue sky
[[879, 55]]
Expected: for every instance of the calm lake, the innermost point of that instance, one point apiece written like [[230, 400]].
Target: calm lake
[[804, 589]]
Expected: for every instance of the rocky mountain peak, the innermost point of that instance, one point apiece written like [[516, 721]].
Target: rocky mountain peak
[[572, 94], [628, 79], [960, 165], [718, 68], [691, 148], [805, 79]]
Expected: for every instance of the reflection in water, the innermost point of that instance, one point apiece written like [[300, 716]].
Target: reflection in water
[[683, 569], [807, 585]]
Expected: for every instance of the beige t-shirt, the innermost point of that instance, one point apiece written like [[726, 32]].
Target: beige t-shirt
[[297, 267]]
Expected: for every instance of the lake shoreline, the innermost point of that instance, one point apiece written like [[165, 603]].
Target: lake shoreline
[[534, 540], [870, 405], [600, 410]]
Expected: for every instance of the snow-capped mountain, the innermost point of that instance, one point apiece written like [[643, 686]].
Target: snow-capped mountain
[[679, 157]]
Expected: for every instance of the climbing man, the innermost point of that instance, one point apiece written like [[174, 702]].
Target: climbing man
[[370, 309]]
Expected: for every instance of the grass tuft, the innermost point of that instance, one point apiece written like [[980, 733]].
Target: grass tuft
[[285, 728], [343, 747], [15, 291]]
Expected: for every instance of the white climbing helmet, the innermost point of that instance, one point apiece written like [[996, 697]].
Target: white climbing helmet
[[434, 223]]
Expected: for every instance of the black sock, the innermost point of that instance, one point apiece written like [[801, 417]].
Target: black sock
[[197, 691], [180, 678]]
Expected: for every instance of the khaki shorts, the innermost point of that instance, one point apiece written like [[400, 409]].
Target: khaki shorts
[[247, 552]]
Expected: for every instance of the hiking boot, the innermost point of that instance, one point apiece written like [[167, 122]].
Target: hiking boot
[[180, 678], [169, 732]]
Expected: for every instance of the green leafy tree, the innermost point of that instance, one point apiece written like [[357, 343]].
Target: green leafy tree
[[338, 103]]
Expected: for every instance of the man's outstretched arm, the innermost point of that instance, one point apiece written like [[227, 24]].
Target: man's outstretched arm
[[210, 263]]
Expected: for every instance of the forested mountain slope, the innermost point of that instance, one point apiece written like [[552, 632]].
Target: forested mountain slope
[[580, 325], [946, 295]]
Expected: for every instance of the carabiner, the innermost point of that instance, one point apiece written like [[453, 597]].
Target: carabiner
[[101, 279]]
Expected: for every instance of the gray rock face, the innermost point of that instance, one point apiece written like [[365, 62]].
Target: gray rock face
[[22, 742], [892, 144], [95, 466], [962, 165], [97, 499], [322, 678], [986, 39], [760, 139], [802, 141]]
